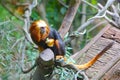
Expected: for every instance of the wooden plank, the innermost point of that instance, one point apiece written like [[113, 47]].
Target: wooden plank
[[113, 73], [107, 60], [113, 33], [77, 55], [106, 36], [106, 68]]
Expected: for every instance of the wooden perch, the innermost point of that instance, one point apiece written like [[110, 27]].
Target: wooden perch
[[45, 65]]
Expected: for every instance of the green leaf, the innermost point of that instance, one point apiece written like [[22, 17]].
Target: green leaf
[[63, 10], [94, 2]]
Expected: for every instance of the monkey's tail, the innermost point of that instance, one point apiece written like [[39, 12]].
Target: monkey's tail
[[93, 60]]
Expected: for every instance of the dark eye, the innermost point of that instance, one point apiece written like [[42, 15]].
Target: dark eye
[[42, 27]]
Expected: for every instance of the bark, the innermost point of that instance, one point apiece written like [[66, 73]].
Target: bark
[[68, 19], [45, 65]]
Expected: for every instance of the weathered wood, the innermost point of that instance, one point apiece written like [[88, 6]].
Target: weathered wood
[[113, 33], [45, 65], [108, 59], [105, 62], [106, 67], [113, 73], [77, 55]]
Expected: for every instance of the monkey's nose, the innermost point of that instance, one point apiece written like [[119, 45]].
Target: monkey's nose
[[42, 30]]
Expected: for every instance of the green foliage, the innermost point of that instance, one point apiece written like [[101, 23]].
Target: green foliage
[[63, 10], [35, 16], [11, 46], [55, 13], [8, 36], [64, 73], [94, 2], [12, 42], [4, 14]]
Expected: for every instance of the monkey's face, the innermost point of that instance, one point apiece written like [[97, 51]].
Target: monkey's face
[[42, 26], [39, 30]]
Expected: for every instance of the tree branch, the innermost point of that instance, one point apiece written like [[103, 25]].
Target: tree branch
[[27, 20], [68, 19]]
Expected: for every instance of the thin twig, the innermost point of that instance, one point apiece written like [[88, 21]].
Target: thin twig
[[17, 41], [113, 14], [115, 10], [89, 4], [23, 52], [103, 22], [107, 11], [111, 21], [83, 19], [61, 2], [102, 12], [2, 23], [82, 27], [82, 73]]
